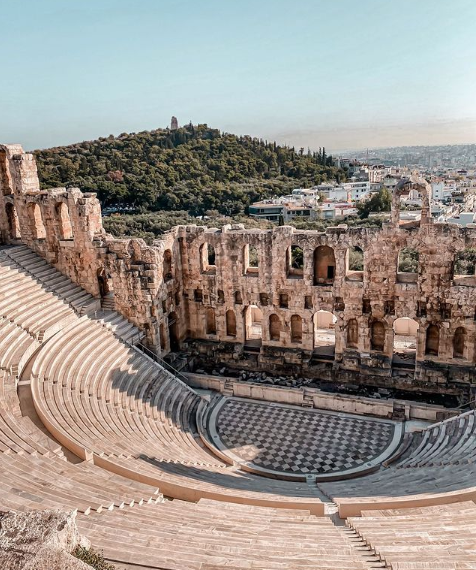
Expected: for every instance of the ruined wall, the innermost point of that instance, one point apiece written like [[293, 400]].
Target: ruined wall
[[65, 227], [365, 304], [246, 298]]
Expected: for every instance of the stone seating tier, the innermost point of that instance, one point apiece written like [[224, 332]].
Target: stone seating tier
[[437, 538]]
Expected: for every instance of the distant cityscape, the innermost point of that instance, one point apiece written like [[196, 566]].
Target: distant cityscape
[[450, 169]]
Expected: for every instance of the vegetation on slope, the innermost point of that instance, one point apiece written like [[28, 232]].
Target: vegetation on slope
[[192, 169], [93, 558]]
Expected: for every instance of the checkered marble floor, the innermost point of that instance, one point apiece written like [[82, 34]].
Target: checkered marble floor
[[292, 440]]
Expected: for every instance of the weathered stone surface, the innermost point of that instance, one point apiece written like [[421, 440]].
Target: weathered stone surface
[[39, 540], [177, 289]]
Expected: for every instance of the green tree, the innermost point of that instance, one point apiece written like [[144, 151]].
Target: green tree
[[378, 202]]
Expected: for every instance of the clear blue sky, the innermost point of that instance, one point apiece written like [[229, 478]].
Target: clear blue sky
[[339, 73]]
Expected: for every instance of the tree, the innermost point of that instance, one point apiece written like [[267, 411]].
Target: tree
[[379, 202]]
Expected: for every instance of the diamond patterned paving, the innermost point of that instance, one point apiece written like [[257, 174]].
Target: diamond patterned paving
[[292, 440]]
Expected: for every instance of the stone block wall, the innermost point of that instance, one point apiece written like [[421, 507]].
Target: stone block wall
[[244, 298]]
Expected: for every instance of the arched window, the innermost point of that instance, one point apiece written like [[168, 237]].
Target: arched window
[[355, 264], [167, 265], [407, 269], [377, 336], [464, 267], [352, 333], [459, 342], [211, 327], [296, 328], [250, 260], [274, 327], [324, 265], [36, 221], [207, 258], [13, 223], [64, 221], [5, 182], [238, 298], [295, 262], [230, 323], [432, 344], [163, 342], [220, 296]]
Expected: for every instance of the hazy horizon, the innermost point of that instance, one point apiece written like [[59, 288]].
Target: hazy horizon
[[307, 74]]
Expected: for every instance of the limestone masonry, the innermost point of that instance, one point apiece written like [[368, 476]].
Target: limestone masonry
[[241, 297]]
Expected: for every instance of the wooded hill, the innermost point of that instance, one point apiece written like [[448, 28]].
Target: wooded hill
[[193, 169]]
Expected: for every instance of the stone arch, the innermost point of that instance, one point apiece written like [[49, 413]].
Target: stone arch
[[354, 264], [296, 328], [174, 338], [324, 333], [295, 262], [432, 341], [105, 282], [253, 317], [404, 187], [352, 333], [36, 220], [211, 325], [163, 341], [464, 267], [13, 222], [377, 336], [459, 342], [5, 181], [64, 221], [230, 323], [405, 335], [407, 265], [167, 265], [274, 327], [250, 259], [324, 265], [207, 258]]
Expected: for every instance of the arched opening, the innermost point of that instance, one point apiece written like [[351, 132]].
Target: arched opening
[[230, 323], [459, 343], [355, 264], [464, 267], [407, 269], [274, 328], [5, 182], [64, 221], [296, 328], [253, 326], [324, 265], [352, 333], [163, 342], [207, 258], [238, 298], [37, 227], [211, 325], [432, 344], [173, 332], [220, 296], [106, 289], [377, 336], [324, 333], [295, 262], [405, 332], [167, 265], [250, 260], [13, 223]]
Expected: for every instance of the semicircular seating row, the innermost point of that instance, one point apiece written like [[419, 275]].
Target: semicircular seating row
[[114, 403], [107, 402], [433, 466]]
